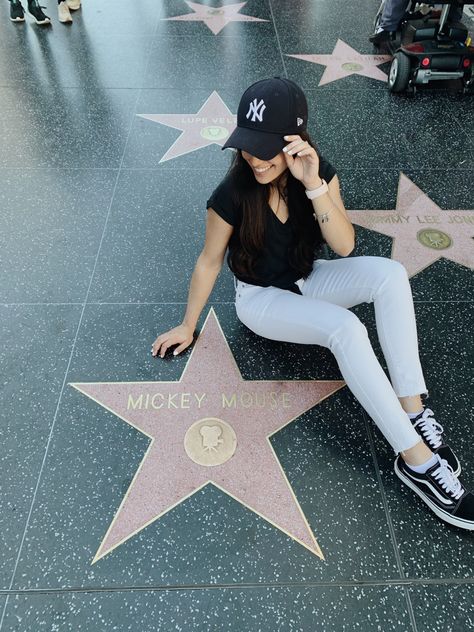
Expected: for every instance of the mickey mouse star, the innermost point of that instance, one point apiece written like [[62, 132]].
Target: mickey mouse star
[[210, 427]]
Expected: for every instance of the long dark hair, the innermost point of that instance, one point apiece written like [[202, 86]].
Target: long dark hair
[[253, 198]]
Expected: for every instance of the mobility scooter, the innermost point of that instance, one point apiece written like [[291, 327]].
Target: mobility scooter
[[426, 47]]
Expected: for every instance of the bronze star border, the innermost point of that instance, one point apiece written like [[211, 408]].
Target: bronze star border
[[211, 388]]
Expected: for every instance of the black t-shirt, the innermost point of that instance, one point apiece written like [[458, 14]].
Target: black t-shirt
[[273, 267]]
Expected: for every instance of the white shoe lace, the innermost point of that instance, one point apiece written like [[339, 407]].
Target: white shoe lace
[[448, 480], [431, 429]]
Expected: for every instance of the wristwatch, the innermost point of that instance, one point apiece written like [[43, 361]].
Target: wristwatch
[[315, 193]]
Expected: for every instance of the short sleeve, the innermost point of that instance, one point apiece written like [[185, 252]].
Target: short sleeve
[[221, 201], [326, 170]]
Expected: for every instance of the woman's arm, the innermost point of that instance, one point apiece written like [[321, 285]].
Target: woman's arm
[[337, 228], [206, 271], [208, 266]]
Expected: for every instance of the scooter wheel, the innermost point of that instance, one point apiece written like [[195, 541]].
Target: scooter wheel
[[399, 74]]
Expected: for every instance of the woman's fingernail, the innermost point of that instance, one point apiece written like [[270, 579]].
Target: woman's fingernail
[[175, 353]]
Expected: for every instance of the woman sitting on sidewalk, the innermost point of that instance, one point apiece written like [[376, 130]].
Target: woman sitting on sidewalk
[[277, 205]]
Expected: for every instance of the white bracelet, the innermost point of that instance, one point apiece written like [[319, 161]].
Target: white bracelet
[[315, 193]]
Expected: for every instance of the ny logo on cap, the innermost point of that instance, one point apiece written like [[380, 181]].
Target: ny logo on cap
[[256, 110], [299, 121]]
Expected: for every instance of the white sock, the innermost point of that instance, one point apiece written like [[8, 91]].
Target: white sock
[[413, 415], [421, 469]]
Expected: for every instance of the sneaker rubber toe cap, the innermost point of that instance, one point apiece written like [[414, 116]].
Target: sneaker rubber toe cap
[[465, 509]]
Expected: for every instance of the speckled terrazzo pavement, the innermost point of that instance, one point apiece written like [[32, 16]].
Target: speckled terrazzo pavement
[[102, 216]]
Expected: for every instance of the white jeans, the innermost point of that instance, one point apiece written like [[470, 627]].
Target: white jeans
[[321, 317]]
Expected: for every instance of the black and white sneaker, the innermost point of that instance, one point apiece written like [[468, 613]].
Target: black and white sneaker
[[36, 11], [16, 12], [432, 434], [441, 490]]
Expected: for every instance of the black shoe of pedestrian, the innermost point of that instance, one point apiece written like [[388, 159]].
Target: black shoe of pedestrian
[[16, 12], [432, 434], [36, 11], [441, 490], [380, 36]]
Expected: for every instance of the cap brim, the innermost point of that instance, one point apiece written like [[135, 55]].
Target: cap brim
[[263, 145]]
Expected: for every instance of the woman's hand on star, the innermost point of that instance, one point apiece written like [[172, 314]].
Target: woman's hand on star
[[181, 336], [302, 161]]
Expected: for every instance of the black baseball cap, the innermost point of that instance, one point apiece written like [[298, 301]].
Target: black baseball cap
[[269, 110]]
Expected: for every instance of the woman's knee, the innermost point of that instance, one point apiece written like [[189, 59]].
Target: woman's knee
[[393, 273], [397, 269], [350, 330]]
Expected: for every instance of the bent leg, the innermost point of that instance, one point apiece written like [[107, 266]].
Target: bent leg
[[384, 282], [282, 315]]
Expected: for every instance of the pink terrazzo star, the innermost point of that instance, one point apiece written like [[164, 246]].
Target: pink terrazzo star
[[212, 125], [422, 232], [345, 61], [215, 17], [211, 389]]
